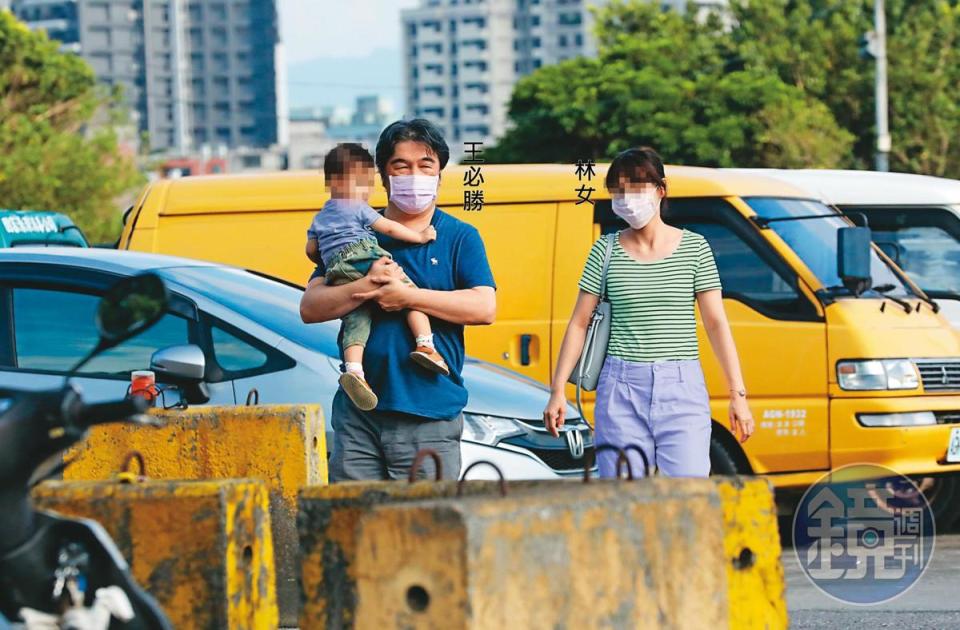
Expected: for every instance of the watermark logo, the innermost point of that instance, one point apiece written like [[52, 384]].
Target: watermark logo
[[863, 534]]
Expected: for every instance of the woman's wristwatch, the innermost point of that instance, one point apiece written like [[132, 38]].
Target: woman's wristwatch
[[742, 393]]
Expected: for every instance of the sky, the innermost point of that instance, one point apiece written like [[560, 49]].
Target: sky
[[338, 49]]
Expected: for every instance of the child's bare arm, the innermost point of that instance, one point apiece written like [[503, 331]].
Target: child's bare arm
[[403, 233], [313, 251]]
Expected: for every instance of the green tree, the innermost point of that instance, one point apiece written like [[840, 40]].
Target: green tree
[[814, 45], [675, 83], [53, 155], [771, 83]]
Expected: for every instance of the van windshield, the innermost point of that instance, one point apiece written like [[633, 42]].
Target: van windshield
[[815, 241], [929, 253]]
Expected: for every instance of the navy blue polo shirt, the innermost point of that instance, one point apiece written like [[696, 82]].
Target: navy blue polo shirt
[[456, 260]]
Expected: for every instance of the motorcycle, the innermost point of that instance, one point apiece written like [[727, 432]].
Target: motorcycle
[[59, 572]]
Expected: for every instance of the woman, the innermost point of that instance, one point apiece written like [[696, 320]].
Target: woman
[[651, 390]]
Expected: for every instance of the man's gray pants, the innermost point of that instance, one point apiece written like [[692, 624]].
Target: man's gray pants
[[381, 445]]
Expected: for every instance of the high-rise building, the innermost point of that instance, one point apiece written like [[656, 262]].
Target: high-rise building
[[463, 57], [196, 73]]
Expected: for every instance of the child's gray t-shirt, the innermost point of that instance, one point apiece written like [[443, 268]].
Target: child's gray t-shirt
[[340, 223]]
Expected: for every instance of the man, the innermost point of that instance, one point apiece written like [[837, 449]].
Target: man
[[453, 285]]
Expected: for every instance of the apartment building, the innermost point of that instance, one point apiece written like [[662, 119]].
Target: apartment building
[[196, 73]]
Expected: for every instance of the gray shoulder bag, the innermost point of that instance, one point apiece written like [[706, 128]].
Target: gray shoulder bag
[[587, 372]]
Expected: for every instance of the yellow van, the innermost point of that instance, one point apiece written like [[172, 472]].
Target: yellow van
[[833, 378]]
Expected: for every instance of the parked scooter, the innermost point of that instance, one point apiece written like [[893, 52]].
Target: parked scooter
[[58, 572]]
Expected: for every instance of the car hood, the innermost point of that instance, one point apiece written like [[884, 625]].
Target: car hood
[[496, 391]]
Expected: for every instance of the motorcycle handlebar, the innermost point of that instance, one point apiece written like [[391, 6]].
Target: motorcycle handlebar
[[102, 413]]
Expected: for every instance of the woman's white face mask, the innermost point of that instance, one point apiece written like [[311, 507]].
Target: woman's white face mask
[[637, 209], [413, 193]]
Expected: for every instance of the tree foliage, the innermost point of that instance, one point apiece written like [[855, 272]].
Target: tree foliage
[[53, 155], [777, 83]]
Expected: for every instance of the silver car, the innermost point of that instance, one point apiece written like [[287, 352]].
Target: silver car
[[229, 331]]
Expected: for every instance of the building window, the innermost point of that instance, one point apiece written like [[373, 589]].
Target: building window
[[578, 39], [562, 40], [570, 19], [478, 87], [479, 22], [478, 65], [433, 111], [412, 29], [537, 63], [434, 89], [535, 42], [479, 44]]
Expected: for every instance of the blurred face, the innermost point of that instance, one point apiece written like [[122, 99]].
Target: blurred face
[[356, 183], [626, 186]]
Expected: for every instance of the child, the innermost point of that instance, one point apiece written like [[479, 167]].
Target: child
[[340, 239]]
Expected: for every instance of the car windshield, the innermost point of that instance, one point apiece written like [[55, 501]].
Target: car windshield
[[815, 241], [929, 253], [271, 304]]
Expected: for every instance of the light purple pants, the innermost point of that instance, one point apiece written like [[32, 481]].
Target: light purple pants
[[661, 406]]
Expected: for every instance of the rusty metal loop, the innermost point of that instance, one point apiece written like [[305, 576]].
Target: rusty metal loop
[[421, 455], [129, 458], [643, 456], [255, 395], [503, 481], [622, 462]]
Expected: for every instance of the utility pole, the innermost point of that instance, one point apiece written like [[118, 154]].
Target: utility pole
[[880, 87]]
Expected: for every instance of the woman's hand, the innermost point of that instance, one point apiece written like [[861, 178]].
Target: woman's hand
[[553, 415], [741, 420]]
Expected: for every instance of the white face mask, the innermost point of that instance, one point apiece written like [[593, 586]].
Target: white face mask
[[413, 193], [637, 209]]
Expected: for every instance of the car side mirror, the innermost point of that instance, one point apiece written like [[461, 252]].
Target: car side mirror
[[185, 367], [853, 258]]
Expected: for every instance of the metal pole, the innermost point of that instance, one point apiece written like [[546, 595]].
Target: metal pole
[[883, 130]]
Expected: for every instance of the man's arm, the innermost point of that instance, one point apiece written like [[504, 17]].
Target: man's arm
[[322, 302], [476, 306]]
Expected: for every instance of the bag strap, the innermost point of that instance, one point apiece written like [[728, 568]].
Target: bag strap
[[608, 251], [592, 330]]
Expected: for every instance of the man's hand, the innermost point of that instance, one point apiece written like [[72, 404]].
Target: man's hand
[[394, 295], [384, 270]]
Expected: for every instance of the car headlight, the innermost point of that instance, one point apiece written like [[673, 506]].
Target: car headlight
[[878, 374], [490, 429], [910, 419]]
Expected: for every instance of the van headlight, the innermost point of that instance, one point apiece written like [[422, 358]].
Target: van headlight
[[878, 374], [490, 430]]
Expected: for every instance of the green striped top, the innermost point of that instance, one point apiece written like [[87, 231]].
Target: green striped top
[[653, 302]]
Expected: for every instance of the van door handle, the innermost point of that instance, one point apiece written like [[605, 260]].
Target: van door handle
[[525, 349]]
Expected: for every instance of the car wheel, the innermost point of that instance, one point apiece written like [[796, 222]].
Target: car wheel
[[943, 495], [722, 460]]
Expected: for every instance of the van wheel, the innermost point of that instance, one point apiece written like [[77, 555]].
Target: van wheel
[[943, 494], [723, 460]]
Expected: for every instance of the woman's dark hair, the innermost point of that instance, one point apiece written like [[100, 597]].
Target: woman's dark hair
[[419, 130], [640, 165], [345, 157]]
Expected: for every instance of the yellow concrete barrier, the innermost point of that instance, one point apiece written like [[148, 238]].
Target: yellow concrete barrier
[[203, 549], [327, 523], [285, 445], [658, 553]]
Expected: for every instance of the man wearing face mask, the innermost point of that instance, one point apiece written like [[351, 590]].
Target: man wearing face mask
[[451, 283]]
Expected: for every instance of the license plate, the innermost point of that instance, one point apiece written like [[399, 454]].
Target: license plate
[[953, 446]]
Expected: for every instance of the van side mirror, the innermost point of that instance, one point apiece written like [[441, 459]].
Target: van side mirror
[[853, 258], [894, 251]]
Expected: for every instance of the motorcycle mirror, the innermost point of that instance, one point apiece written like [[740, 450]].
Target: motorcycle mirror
[[128, 308], [131, 306]]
